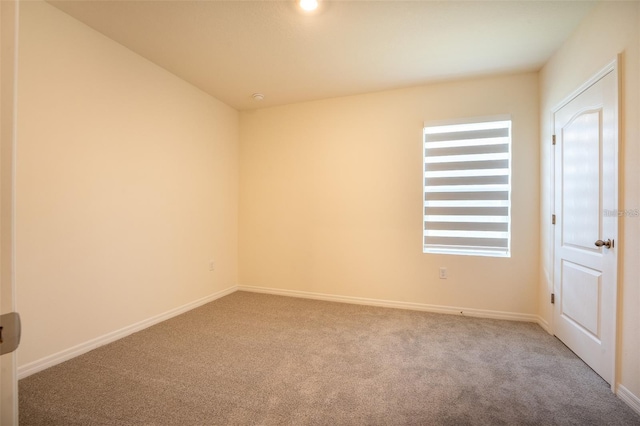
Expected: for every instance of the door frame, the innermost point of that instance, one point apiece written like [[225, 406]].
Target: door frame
[[614, 68], [9, 14]]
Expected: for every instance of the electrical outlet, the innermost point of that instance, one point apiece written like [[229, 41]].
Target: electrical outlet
[[443, 273], [212, 265]]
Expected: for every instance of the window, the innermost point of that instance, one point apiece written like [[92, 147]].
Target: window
[[467, 188]]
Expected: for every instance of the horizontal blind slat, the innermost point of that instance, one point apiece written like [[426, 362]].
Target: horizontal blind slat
[[466, 181], [474, 195], [469, 150], [469, 226], [467, 134], [466, 142], [466, 173], [463, 166], [467, 211], [468, 218], [466, 203], [463, 189], [468, 242], [449, 233], [470, 158]]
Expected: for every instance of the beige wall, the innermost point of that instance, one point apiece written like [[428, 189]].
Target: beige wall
[[126, 187], [610, 29], [331, 197]]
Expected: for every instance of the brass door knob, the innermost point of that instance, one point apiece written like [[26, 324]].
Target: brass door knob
[[606, 244]]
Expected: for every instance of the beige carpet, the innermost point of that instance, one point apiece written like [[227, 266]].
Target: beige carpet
[[253, 359]]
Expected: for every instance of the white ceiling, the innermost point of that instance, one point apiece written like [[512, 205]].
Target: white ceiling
[[232, 49]]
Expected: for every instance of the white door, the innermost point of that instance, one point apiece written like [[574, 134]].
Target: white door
[[8, 46], [586, 197]]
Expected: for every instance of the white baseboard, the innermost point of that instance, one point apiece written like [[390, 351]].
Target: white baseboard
[[479, 313], [57, 358], [629, 398], [544, 324]]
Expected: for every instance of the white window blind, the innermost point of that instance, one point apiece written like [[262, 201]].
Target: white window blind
[[467, 188]]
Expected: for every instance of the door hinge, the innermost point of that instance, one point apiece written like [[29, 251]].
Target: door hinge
[[553, 139], [553, 219], [553, 298]]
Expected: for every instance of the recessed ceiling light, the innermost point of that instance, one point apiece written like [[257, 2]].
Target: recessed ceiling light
[[257, 96], [309, 5]]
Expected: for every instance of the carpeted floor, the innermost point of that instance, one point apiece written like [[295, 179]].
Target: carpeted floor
[[255, 359]]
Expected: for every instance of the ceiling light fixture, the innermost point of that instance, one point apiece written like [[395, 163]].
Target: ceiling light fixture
[[257, 97], [309, 5]]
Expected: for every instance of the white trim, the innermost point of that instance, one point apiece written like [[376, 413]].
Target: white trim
[[9, 364], [629, 398], [543, 323], [611, 66], [14, 159], [57, 358], [452, 310]]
